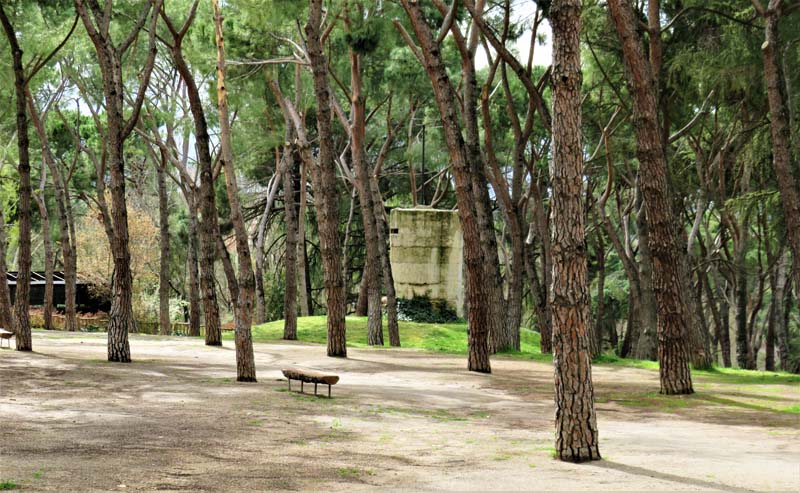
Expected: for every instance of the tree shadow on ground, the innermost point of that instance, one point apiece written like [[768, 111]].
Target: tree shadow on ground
[[641, 471]]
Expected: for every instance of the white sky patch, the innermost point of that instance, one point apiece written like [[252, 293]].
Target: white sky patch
[[523, 11]]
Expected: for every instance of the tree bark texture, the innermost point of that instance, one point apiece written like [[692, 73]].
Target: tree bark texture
[[325, 193], [781, 133], [163, 225], [372, 266], [447, 103], [22, 325], [672, 330], [290, 256], [576, 422], [208, 230], [243, 306]]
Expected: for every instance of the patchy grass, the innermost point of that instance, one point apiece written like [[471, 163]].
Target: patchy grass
[[7, 484]]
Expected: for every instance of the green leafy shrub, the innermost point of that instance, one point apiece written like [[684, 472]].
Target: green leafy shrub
[[425, 310]]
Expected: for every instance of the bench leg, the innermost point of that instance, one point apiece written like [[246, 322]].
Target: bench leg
[[315, 388], [329, 391], [301, 386], [290, 384]]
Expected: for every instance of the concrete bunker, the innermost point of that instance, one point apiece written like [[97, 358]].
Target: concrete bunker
[[427, 255]]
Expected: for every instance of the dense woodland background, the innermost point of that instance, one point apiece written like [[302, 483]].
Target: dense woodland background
[[251, 182]]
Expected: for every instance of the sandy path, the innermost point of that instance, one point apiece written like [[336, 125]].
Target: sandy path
[[400, 419]]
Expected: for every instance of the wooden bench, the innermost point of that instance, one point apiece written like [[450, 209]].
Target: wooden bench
[[6, 335], [310, 376]]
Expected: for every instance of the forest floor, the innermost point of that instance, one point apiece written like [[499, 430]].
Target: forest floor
[[400, 419]]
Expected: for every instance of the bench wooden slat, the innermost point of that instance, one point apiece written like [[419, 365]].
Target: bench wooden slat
[[310, 376]]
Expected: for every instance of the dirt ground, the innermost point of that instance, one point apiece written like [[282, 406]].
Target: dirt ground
[[400, 420]]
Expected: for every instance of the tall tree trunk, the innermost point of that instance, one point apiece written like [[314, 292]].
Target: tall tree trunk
[[191, 268], [783, 295], [22, 325], [647, 343], [388, 277], [49, 257], [372, 268], [672, 331], [243, 311], [744, 356], [261, 236], [205, 199], [6, 317], [109, 56], [780, 129], [600, 252], [576, 422], [447, 103], [65, 220], [163, 226], [303, 277], [290, 255], [325, 193]]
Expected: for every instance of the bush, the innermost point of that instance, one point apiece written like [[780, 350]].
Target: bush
[[423, 309]]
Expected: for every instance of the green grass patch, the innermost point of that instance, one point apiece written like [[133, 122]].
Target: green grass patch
[[7, 484], [451, 338], [446, 338]]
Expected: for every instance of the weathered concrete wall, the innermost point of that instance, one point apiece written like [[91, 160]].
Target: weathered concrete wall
[[427, 255]]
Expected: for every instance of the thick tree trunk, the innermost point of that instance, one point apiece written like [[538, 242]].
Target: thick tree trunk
[[163, 226], [781, 132], [362, 301], [22, 325], [447, 103], [290, 255], [325, 193], [372, 269], [647, 343], [243, 307], [121, 319], [784, 307], [672, 331], [576, 422]]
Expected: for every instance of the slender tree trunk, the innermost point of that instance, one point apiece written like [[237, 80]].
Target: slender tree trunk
[[576, 422], [781, 131], [163, 224], [372, 269], [325, 193], [205, 199], [672, 331], [64, 218], [744, 356], [245, 359], [261, 236], [22, 295], [290, 255], [388, 277], [600, 252], [447, 103], [303, 277], [782, 293], [191, 268], [49, 257], [6, 317]]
